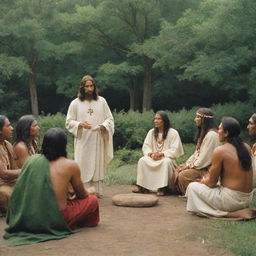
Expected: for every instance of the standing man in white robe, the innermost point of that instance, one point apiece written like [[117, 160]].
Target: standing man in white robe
[[161, 147], [252, 131], [91, 122]]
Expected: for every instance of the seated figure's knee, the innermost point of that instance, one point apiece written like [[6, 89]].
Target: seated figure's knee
[[182, 175], [94, 201], [192, 186]]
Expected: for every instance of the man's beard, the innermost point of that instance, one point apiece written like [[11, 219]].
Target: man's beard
[[88, 96]]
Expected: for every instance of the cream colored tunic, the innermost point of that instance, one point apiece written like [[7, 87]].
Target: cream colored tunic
[[254, 164], [153, 174], [216, 201], [93, 150], [202, 157]]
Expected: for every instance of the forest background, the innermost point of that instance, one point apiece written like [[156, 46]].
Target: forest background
[[145, 55]]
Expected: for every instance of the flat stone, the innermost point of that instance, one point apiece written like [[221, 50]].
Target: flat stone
[[135, 200]]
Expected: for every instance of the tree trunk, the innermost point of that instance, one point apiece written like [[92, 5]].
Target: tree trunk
[[32, 60], [147, 85], [134, 94], [33, 93]]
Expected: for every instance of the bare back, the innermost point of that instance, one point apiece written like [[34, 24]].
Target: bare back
[[227, 167], [233, 176], [64, 171]]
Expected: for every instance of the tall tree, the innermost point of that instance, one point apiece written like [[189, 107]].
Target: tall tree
[[212, 45], [124, 26], [23, 28]]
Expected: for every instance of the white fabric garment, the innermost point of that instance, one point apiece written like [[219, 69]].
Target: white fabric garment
[[202, 157], [153, 174], [216, 201], [93, 150], [254, 164]]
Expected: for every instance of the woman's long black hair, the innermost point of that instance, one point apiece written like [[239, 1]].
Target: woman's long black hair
[[23, 132]]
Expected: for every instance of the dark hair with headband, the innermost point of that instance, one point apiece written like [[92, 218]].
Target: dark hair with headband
[[207, 124]]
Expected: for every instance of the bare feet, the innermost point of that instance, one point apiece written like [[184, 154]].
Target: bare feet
[[139, 189], [160, 192]]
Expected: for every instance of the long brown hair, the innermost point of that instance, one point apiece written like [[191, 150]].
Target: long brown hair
[[82, 94]]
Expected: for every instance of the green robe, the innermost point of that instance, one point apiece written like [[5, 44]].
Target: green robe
[[33, 213]]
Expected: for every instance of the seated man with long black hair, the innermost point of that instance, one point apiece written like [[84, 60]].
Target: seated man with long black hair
[[38, 208], [232, 166]]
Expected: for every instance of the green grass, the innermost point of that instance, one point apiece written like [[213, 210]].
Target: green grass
[[237, 236]]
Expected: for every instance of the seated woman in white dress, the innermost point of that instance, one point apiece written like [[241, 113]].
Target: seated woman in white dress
[[161, 147]]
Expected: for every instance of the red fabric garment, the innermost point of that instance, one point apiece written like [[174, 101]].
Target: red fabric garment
[[82, 212]]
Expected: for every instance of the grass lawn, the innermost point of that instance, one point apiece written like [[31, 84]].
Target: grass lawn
[[238, 236]]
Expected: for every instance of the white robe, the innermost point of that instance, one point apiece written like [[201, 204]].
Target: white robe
[[254, 164], [153, 174], [92, 149], [218, 201], [202, 158]]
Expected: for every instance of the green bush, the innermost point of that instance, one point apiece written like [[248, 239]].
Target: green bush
[[57, 120], [239, 110], [131, 127]]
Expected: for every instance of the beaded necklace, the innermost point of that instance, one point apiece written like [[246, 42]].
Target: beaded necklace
[[159, 143]]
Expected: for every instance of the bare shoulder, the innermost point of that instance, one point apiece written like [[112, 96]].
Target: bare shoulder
[[70, 165], [20, 148], [220, 150]]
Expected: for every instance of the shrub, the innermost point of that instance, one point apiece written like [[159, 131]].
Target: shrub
[[131, 127], [57, 120]]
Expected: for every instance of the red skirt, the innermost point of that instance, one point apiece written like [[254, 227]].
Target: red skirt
[[82, 212]]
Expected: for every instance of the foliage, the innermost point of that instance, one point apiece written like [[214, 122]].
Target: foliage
[[132, 127], [57, 120], [213, 44], [237, 236], [202, 52]]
